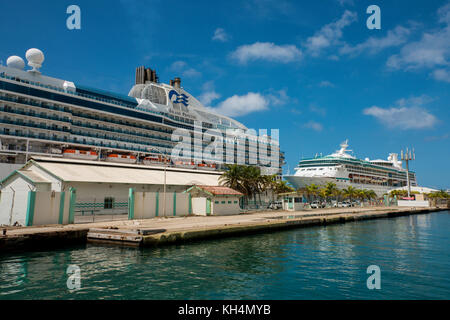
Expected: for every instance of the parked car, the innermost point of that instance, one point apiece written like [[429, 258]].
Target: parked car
[[337, 205], [346, 204], [317, 204], [274, 205]]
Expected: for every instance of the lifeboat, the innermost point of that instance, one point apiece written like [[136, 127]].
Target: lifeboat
[[207, 166], [80, 154], [155, 160], [185, 164], [121, 158]]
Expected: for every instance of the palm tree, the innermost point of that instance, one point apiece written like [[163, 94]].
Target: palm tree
[[370, 194], [360, 194], [282, 187], [330, 190], [246, 179], [337, 194], [232, 178], [312, 190], [323, 194], [349, 193]]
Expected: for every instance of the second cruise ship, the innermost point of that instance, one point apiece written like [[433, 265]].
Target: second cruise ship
[[345, 170]]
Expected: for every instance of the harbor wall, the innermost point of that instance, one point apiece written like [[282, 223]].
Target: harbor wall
[[410, 203]]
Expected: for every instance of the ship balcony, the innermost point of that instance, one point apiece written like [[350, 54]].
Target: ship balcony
[[22, 124], [42, 105], [36, 115]]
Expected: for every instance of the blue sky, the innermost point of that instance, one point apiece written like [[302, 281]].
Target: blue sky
[[309, 68]]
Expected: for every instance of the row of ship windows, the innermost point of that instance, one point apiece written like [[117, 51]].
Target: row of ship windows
[[139, 146], [101, 98], [81, 94], [354, 169], [42, 114], [55, 127], [313, 169], [59, 108]]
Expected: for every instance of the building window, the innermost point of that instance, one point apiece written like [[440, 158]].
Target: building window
[[223, 202], [216, 202], [109, 203], [229, 202]]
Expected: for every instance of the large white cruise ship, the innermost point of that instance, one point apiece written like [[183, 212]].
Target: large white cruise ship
[[45, 116], [345, 170]]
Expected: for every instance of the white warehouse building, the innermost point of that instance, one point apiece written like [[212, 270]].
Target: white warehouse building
[[100, 186]]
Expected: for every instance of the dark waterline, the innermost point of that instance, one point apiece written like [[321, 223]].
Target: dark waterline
[[313, 263]]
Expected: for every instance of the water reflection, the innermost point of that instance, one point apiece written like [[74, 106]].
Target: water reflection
[[311, 263]]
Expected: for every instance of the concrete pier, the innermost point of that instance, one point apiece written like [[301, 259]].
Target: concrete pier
[[163, 231]]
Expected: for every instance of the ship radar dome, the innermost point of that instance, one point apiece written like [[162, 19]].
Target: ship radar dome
[[15, 62], [35, 59]]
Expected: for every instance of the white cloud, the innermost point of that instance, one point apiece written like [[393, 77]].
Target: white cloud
[[207, 97], [414, 101], [209, 94], [191, 73], [441, 75], [313, 125], [242, 105], [330, 34], [220, 35], [183, 68], [326, 84], [248, 103], [318, 110], [407, 114], [177, 66], [396, 37], [432, 51], [266, 51], [278, 98]]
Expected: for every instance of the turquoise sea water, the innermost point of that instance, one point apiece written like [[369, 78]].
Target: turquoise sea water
[[329, 262]]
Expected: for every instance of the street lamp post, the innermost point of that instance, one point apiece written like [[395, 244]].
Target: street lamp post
[[165, 179], [408, 156]]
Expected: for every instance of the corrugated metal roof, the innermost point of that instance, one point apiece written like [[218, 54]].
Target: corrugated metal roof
[[34, 176], [105, 173]]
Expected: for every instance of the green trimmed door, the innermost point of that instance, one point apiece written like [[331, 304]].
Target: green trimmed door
[[208, 206]]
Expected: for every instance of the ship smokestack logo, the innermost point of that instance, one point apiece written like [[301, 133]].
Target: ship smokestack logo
[[179, 98]]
